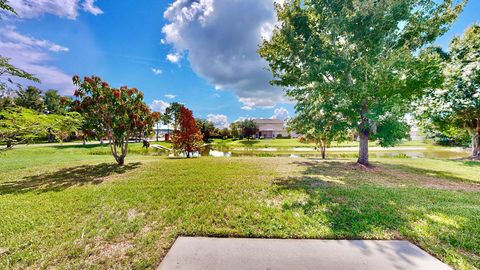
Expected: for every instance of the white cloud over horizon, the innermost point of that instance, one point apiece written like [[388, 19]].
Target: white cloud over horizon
[[220, 38], [159, 105], [70, 9], [280, 114], [32, 55], [218, 120]]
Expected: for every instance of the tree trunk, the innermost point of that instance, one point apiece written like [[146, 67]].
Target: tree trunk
[[364, 132], [9, 144], [476, 142], [323, 148], [120, 160], [363, 150]]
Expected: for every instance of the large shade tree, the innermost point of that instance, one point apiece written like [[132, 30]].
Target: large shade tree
[[456, 105], [361, 58], [116, 113]]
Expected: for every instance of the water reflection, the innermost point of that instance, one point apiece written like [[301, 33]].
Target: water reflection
[[448, 153]]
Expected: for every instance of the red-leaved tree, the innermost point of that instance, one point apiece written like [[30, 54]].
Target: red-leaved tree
[[187, 137], [117, 114]]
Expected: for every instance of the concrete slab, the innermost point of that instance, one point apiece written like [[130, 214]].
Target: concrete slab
[[194, 253]]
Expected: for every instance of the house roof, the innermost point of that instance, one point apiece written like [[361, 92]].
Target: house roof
[[268, 121]]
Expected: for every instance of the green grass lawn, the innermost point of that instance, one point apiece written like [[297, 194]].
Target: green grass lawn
[[289, 143], [71, 207]]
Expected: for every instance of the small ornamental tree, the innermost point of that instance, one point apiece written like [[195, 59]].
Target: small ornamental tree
[[117, 114], [187, 137]]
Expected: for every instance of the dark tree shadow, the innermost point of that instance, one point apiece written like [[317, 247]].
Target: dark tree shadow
[[65, 178], [250, 143], [352, 208]]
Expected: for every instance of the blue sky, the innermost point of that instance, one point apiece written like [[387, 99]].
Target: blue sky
[[200, 53]]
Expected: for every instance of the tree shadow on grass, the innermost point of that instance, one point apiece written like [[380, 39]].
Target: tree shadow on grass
[[352, 211], [249, 143], [353, 208], [65, 178]]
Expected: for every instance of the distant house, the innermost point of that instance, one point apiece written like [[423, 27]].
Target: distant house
[[270, 128]]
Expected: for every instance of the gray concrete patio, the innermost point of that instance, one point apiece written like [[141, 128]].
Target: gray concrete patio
[[280, 254]]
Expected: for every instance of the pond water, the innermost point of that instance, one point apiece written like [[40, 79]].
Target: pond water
[[375, 152]]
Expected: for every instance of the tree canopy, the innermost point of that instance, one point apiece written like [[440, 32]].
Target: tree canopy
[[363, 60], [456, 104], [187, 137]]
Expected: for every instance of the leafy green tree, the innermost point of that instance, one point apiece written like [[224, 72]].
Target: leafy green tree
[[363, 59], [21, 125], [320, 127], [62, 126], [206, 128], [248, 128], [30, 98], [7, 74], [456, 105], [234, 130], [118, 114], [53, 102], [172, 115]]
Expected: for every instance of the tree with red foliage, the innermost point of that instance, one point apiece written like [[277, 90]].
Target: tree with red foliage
[[117, 114], [187, 137]]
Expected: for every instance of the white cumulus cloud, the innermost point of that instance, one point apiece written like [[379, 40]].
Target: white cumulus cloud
[[157, 71], [173, 57], [62, 8], [220, 38], [32, 55], [89, 6], [218, 120], [159, 105], [280, 114], [170, 96]]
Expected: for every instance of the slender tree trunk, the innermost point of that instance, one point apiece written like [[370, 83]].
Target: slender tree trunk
[[323, 148], [120, 160], [363, 150], [476, 142], [9, 144], [364, 132]]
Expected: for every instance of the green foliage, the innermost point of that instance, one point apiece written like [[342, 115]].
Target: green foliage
[[390, 132], [20, 125], [456, 105], [361, 60], [248, 128], [234, 130], [30, 98], [5, 6], [172, 114], [205, 127], [53, 102], [63, 126], [8, 72]]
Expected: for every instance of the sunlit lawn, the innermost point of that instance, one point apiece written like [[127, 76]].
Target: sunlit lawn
[[70, 207]]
